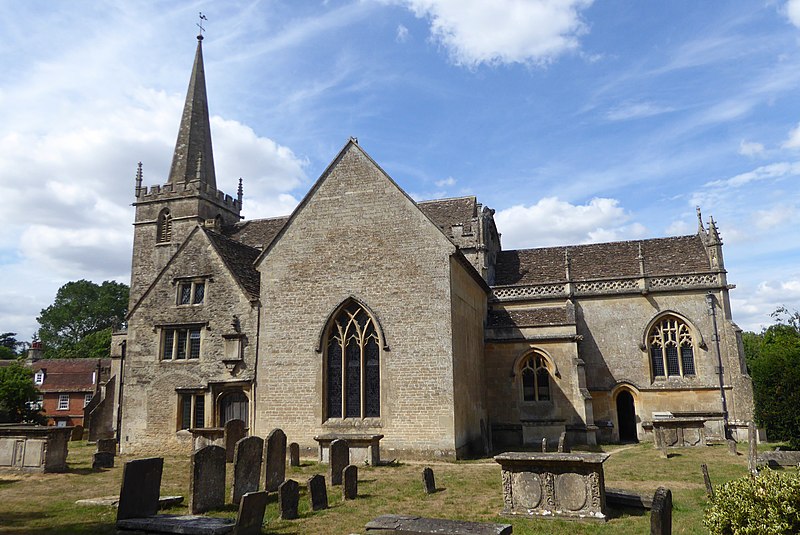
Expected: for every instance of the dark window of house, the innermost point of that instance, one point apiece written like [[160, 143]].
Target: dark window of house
[[535, 379], [180, 343]]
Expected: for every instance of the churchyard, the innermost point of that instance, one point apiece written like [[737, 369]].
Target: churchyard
[[466, 490]]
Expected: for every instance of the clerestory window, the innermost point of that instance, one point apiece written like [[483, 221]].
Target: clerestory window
[[180, 343], [352, 357], [535, 379], [671, 348]]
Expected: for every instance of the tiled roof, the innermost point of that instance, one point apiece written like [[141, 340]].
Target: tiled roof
[[68, 375], [662, 256], [448, 212], [257, 233], [239, 258], [529, 318]]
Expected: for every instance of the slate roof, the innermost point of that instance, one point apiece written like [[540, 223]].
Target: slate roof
[[448, 212], [240, 259], [68, 375], [662, 256], [544, 316], [257, 233]]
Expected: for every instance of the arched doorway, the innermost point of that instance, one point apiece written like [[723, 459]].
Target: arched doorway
[[233, 406], [626, 417]]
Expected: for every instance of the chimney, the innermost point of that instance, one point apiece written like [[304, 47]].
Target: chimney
[[35, 352]]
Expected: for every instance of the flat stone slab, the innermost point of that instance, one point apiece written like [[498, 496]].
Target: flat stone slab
[[780, 458], [628, 498], [113, 501], [417, 525], [182, 524], [525, 457]]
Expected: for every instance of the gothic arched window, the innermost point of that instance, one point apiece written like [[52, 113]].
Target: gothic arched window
[[535, 378], [671, 348], [352, 358], [164, 230]]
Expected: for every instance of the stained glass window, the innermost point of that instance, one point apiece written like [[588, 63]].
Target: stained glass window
[[671, 348]]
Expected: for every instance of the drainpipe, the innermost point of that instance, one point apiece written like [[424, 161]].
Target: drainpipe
[[713, 313]]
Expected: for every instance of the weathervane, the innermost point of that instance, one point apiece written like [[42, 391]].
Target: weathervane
[[200, 24]]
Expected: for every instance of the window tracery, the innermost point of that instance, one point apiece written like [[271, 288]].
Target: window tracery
[[671, 348], [535, 378]]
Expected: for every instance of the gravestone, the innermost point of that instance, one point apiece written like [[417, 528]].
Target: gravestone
[[275, 455], [248, 453], [661, 513], [318, 492], [544, 445], [732, 447], [251, 514], [77, 433], [288, 499], [416, 525], [141, 482], [207, 484], [752, 453], [235, 430], [294, 454], [707, 480], [428, 481], [661, 443], [102, 459], [563, 447], [107, 445], [350, 489], [340, 457]]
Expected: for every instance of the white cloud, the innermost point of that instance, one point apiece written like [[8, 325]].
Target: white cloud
[[636, 110], [793, 12], [554, 222], [752, 306], [402, 34], [777, 216], [476, 32], [447, 182], [794, 138], [750, 148], [765, 172]]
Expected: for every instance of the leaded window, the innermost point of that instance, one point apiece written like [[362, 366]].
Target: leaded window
[[535, 379], [352, 365], [191, 411], [671, 348], [180, 343], [191, 292]]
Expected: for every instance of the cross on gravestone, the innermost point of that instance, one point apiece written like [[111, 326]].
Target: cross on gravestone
[[318, 492], [275, 456], [247, 458], [207, 483], [707, 480], [563, 447], [235, 430], [294, 454], [732, 447], [544, 445], [350, 487], [288, 499], [339, 458], [428, 481], [661, 512], [752, 453]]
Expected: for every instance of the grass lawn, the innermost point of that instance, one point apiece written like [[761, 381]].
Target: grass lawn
[[469, 490]]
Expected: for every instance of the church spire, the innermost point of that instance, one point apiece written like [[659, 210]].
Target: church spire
[[193, 158]]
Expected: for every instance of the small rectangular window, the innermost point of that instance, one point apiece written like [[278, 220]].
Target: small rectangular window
[[39, 378], [191, 410], [181, 349], [194, 343], [199, 292], [63, 402], [185, 294], [199, 411], [191, 293], [181, 343], [186, 411], [87, 399]]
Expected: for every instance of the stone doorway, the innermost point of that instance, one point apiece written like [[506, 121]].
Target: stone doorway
[[626, 417]]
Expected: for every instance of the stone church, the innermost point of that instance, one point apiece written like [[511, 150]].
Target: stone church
[[365, 311]]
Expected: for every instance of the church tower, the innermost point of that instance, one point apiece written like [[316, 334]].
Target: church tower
[[166, 214]]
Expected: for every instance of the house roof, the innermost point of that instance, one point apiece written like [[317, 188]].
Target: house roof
[[257, 233], [446, 213], [68, 375], [239, 258], [536, 317], [661, 256]]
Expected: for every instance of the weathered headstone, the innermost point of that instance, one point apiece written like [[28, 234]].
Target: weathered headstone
[[707, 480], [318, 492], [77, 433], [251, 514], [288, 499], [732, 447], [544, 445], [248, 453], [235, 430], [141, 482], [340, 457], [661, 513], [107, 445], [407, 524], [207, 484], [428, 481], [275, 455], [102, 459], [294, 454], [752, 453], [350, 488], [661, 443], [563, 447]]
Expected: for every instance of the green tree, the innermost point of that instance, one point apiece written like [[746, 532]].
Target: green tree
[[18, 396], [81, 308], [8, 346]]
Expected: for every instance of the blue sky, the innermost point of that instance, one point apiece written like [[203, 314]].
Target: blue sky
[[577, 121]]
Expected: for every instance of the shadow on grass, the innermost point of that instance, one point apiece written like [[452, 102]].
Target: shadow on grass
[[4, 482], [619, 512], [83, 471]]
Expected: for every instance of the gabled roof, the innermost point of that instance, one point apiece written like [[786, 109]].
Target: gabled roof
[[662, 256], [69, 375], [239, 259], [257, 233], [446, 213]]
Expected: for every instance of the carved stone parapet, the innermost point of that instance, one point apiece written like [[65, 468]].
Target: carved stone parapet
[[562, 485]]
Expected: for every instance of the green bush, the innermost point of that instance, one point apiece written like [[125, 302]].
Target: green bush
[[768, 504]]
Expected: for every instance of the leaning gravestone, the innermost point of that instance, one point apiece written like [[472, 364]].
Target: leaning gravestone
[[294, 454], [563, 447], [732, 447], [350, 488], [288, 498], [707, 480], [275, 455], [428, 481], [141, 481], [235, 430], [661, 513], [339, 458], [752, 453], [248, 453], [207, 484], [318, 492]]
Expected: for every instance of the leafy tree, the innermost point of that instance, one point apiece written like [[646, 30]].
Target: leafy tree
[[8, 346], [81, 308], [18, 396], [773, 357]]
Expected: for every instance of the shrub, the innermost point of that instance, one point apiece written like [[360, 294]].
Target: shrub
[[768, 504]]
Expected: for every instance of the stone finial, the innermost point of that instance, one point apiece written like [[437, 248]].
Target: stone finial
[[138, 179], [713, 233], [640, 258], [240, 192], [700, 228], [567, 269]]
